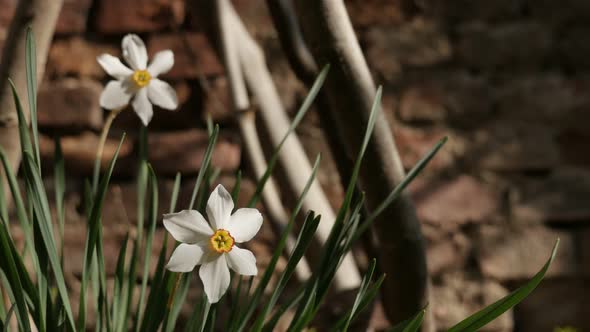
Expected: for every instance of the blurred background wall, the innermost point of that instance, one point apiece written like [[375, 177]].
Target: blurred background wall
[[507, 80]]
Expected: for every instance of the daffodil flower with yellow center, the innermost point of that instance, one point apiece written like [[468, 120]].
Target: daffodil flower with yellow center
[[213, 246], [139, 82]]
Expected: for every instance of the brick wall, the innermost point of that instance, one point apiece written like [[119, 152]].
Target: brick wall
[[506, 80]]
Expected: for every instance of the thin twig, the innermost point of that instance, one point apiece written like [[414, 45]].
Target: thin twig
[[41, 16]]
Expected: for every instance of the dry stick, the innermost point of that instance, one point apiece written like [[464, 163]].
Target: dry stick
[[351, 90], [292, 156], [42, 16], [247, 124]]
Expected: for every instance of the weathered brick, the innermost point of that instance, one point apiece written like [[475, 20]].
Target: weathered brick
[[79, 154], [365, 13], [416, 43], [183, 151], [70, 104], [574, 47], [449, 204], [522, 45], [77, 56], [513, 147], [559, 198], [115, 16], [569, 306], [561, 12], [413, 144], [457, 98], [548, 97], [8, 7], [467, 10], [516, 253], [191, 59], [73, 17], [459, 295], [217, 101]]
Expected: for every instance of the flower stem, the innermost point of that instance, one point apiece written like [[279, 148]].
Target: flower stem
[[103, 137]]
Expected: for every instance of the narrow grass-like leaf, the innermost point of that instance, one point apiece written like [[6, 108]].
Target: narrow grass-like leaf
[[195, 317], [491, 312], [204, 165], [23, 126], [410, 325], [309, 99], [26, 282], [177, 301], [60, 188], [8, 318], [256, 297], [376, 108], [152, 217], [302, 243], [331, 253], [43, 218], [308, 308], [236, 190], [288, 305], [118, 294], [9, 267], [93, 235], [361, 293], [19, 206], [31, 69], [417, 169], [3, 204], [175, 191], [156, 307]]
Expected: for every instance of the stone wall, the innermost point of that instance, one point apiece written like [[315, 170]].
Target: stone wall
[[506, 80]]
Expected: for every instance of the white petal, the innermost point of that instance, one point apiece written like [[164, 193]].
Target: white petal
[[185, 257], [134, 52], [187, 226], [143, 107], [244, 224], [162, 94], [242, 261], [162, 63], [113, 66], [115, 95], [215, 277], [219, 207]]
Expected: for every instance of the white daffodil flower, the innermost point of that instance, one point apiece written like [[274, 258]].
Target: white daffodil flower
[[140, 80], [213, 246]]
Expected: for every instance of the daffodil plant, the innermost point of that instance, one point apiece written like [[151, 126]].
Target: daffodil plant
[[39, 294]]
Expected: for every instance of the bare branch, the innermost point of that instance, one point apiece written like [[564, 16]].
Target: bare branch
[[42, 16], [287, 25], [292, 156], [351, 90], [247, 124]]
